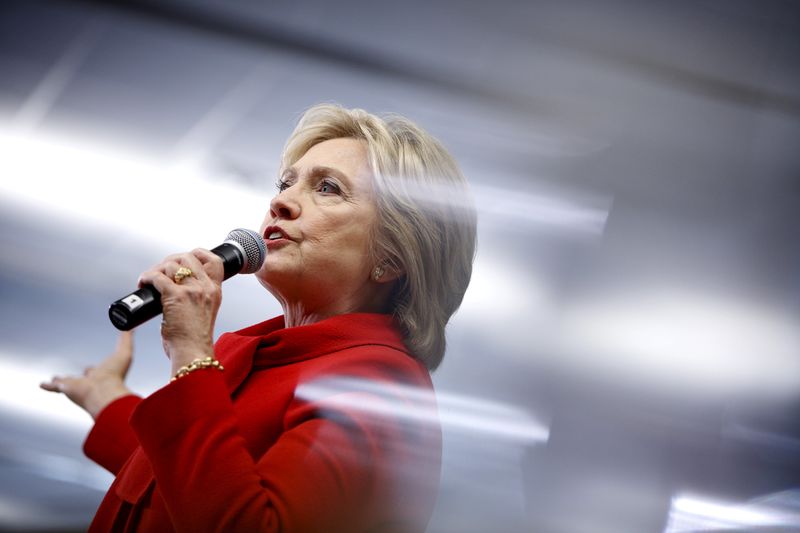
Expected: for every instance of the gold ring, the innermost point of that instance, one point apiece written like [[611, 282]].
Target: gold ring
[[182, 274]]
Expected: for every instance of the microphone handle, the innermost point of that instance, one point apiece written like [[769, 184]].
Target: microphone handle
[[141, 305]]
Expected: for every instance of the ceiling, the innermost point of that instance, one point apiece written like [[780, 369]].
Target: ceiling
[[627, 358]]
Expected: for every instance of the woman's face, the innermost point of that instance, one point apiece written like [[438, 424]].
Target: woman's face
[[318, 226]]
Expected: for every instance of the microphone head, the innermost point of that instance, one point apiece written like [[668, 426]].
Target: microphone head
[[254, 248]]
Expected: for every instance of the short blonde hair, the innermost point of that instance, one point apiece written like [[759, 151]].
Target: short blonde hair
[[427, 222]]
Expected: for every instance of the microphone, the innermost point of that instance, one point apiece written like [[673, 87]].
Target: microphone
[[243, 252]]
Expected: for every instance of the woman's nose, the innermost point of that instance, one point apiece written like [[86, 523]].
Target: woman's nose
[[284, 206]]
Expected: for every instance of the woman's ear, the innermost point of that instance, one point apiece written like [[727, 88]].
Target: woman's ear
[[385, 274]]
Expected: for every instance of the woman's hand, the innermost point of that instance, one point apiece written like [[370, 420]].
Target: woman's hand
[[99, 385], [190, 306]]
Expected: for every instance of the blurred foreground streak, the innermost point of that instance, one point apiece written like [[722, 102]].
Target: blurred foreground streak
[[779, 512]]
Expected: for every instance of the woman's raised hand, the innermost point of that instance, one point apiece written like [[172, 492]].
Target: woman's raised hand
[[190, 310], [190, 303], [100, 385]]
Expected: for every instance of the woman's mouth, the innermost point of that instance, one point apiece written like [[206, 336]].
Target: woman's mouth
[[275, 237], [274, 233]]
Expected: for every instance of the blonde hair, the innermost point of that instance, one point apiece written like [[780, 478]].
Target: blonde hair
[[426, 225]]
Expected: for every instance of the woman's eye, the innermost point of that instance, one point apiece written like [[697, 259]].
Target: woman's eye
[[282, 185], [328, 187]]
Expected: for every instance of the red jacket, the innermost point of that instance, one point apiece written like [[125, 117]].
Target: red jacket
[[325, 427]]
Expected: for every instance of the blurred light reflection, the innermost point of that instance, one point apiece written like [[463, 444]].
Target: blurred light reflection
[[455, 412], [500, 291], [693, 513], [119, 190], [561, 211], [60, 468], [688, 341]]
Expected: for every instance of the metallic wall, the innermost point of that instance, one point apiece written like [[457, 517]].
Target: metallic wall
[[627, 358]]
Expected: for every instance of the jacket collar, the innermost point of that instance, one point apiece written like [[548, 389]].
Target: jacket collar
[[269, 343]]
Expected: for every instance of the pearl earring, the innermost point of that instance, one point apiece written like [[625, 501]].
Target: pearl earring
[[377, 273]]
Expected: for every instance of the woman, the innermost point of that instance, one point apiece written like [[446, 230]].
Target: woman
[[321, 419]]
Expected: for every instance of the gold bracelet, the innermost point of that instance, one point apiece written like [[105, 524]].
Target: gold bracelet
[[197, 364]]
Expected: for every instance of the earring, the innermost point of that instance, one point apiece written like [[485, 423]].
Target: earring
[[377, 273]]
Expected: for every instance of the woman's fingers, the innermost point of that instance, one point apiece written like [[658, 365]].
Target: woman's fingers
[[125, 343], [205, 265], [212, 264], [52, 385], [190, 304], [59, 384], [119, 361], [116, 364]]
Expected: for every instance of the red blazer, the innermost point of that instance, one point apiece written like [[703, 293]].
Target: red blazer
[[325, 427]]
